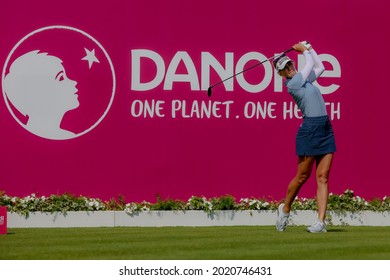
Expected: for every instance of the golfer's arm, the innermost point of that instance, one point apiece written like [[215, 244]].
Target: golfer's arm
[[318, 65], [308, 66]]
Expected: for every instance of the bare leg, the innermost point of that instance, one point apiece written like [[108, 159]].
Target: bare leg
[[305, 166], [324, 164]]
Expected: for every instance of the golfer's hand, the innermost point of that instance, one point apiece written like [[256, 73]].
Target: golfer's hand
[[307, 45], [299, 47]]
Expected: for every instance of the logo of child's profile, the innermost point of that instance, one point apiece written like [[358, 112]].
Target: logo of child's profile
[[58, 82]]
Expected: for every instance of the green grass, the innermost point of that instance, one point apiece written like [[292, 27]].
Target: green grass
[[196, 243]]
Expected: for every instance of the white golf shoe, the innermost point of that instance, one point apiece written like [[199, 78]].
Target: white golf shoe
[[282, 220], [317, 227]]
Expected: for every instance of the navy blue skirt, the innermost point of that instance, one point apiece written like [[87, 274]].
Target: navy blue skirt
[[315, 137]]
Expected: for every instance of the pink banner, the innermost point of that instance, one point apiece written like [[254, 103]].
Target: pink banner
[[102, 99]]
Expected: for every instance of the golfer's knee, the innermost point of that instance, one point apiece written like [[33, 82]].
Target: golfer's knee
[[302, 178], [322, 177]]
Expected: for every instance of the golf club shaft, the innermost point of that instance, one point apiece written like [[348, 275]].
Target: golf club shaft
[[253, 66]]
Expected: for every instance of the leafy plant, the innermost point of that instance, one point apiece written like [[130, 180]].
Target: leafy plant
[[168, 204], [347, 201], [225, 202]]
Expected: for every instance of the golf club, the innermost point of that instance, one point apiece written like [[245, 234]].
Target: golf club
[[246, 69]]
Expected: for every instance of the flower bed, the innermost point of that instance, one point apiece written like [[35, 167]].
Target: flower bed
[[346, 202]]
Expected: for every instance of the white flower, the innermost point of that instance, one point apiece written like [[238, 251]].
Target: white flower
[[130, 208], [347, 191], [253, 201]]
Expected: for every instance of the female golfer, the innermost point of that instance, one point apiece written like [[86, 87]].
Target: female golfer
[[315, 141]]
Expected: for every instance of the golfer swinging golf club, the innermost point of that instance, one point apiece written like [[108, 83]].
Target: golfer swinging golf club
[[315, 142]]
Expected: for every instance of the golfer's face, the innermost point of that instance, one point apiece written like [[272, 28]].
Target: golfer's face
[[289, 70]]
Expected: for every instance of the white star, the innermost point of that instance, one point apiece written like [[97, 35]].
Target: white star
[[90, 57]]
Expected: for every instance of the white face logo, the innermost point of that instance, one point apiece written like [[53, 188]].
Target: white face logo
[[39, 87]]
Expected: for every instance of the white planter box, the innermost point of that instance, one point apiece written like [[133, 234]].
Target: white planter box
[[187, 218], [59, 220]]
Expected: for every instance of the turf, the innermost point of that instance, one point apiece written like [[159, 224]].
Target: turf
[[196, 243]]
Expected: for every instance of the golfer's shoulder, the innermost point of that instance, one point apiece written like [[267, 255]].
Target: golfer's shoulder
[[295, 82]]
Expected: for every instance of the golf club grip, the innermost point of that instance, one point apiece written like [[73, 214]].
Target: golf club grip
[[291, 49]]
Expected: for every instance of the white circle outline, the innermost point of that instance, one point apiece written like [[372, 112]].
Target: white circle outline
[[72, 29]]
